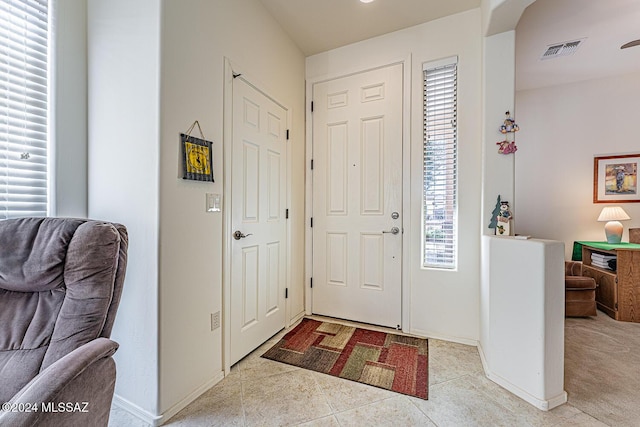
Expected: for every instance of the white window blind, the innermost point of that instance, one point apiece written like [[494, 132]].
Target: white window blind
[[24, 41], [440, 165]]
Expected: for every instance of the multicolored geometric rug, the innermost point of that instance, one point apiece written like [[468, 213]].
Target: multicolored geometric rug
[[390, 361]]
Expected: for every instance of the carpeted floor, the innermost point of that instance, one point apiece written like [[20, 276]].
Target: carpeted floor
[[390, 361]]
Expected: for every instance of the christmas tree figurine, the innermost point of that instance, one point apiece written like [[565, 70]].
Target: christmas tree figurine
[[494, 214]]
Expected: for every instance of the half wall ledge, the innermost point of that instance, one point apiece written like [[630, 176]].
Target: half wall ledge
[[522, 318]]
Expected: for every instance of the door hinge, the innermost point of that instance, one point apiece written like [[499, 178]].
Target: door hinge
[[311, 282], [311, 164], [286, 293], [286, 214], [312, 106], [616, 306], [311, 222], [287, 134]]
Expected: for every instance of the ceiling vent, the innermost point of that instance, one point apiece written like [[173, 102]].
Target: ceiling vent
[[562, 49]]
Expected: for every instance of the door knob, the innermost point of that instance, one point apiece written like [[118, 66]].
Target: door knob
[[394, 230], [238, 235]]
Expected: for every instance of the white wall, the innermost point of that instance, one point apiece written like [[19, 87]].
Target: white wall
[[497, 171], [123, 123], [155, 66], [441, 304], [498, 87], [562, 129], [197, 36], [69, 112]]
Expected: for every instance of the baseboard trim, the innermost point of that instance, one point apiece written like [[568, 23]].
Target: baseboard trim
[[458, 340], [545, 405], [136, 411], [191, 397], [158, 420], [296, 318]]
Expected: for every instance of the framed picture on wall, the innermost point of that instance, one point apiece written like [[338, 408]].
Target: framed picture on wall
[[615, 179], [197, 158]]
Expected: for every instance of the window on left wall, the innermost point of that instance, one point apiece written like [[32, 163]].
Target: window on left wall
[[24, 108]]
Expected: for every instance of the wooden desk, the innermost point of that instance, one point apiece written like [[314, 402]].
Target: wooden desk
[[618, 292]]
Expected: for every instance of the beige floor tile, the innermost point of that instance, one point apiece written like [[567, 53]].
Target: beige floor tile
[[254, 367], [121, 418], [524, 410], [448, 361], [459, 403], [602, 357], [344, 394], [329, 421], [393, 412], [220, 406], [288, 398], [602, 365], [582, 420]]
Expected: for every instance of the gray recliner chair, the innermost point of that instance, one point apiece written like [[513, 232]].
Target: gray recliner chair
[[60, 286]]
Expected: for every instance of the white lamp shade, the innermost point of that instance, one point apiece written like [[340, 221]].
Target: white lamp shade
[[613, 213], [613, 228]]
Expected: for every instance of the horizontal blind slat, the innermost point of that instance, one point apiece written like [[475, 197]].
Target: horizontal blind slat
[[440, 167], [24, 47]]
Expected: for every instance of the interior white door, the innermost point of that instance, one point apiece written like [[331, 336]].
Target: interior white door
[[258, 206], [357, 197]]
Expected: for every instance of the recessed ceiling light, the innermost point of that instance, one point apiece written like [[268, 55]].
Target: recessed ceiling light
[[366, 1]]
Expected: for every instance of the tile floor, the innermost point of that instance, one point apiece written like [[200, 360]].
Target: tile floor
[[601, 371]]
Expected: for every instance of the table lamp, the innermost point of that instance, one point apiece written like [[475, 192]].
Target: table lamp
[[613, 228]]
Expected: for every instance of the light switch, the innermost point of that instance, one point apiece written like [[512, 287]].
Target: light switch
[[213, 202]]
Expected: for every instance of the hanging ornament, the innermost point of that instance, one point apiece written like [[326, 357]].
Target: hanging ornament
[[509, 124], [507, 147]]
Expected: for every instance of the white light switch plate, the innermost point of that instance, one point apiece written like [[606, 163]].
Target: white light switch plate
[[213, 202]]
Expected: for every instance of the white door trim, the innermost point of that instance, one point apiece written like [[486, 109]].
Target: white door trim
[[230, 69], [406, 181]]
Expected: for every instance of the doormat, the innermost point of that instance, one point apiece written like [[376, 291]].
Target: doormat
[[393, 362]]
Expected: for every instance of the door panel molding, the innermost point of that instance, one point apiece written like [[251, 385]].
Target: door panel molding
[[338, 101], [357, 155], [277, 128]]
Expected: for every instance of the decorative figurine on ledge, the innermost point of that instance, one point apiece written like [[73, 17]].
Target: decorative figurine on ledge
[[509, 124], [507, 147], [494, 214], [503, 227]]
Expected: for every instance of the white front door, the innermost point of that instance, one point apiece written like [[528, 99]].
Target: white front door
[[357, 197], [258, 206]]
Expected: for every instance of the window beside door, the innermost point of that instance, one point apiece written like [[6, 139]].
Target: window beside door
[[440, 165]]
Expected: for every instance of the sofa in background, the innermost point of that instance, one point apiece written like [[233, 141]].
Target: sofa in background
[[579, 291]]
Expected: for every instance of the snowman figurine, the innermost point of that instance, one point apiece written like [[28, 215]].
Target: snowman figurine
[[503, 227]]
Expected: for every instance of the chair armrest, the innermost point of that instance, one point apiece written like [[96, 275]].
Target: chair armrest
[[572, 268], [575, 283], [75, 390]]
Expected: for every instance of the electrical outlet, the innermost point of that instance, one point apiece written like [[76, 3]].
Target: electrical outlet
[[215, 320]]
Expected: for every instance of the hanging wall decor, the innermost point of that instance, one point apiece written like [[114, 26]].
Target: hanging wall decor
[[615, 179], [197, 157], [508, 127], [507, 147]]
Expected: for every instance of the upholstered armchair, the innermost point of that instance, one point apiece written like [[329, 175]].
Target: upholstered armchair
[[60, 285], [579, 291]]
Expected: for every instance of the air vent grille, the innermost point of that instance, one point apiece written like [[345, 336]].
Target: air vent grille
[[562, 49]]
